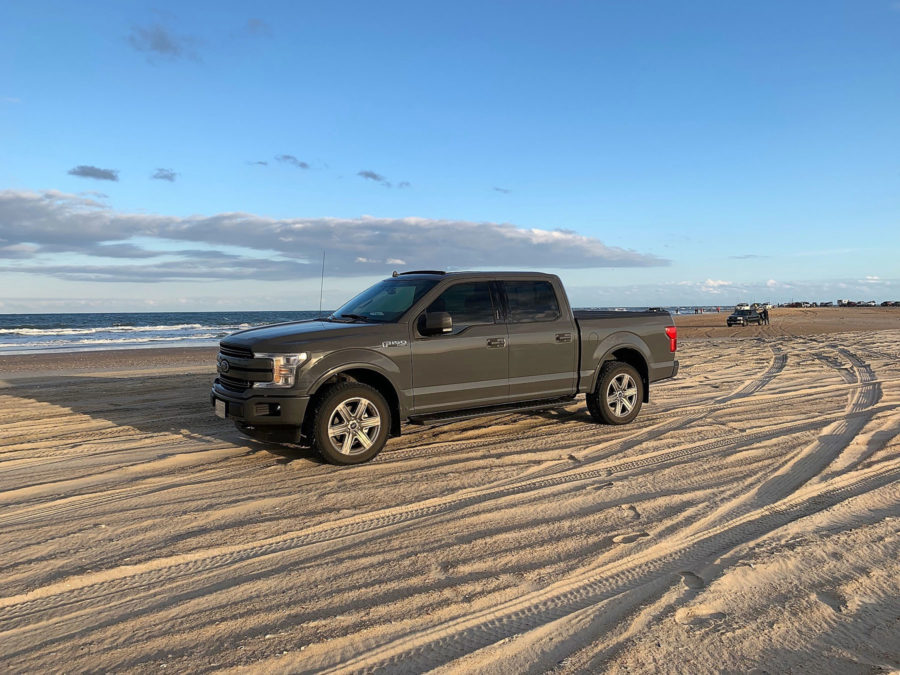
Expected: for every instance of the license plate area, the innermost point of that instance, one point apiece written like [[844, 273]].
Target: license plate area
[[221, 409]]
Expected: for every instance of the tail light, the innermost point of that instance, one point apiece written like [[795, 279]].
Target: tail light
[[672, 334]]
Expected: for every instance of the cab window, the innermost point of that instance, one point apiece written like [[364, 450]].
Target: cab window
[[468, 304], [530, 301]]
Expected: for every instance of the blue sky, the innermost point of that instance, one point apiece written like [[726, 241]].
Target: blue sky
[[648, 152]]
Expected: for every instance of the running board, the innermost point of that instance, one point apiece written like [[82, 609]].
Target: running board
[[469, 413]]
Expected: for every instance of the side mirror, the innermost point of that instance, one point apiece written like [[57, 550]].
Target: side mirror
[[435, 323]]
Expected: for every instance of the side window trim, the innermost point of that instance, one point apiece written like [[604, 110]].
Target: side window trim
[[498, 297]]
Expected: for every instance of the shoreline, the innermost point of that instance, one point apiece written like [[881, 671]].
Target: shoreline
[[143, 359]]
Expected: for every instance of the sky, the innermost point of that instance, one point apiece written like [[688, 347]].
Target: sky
[[206, 155]]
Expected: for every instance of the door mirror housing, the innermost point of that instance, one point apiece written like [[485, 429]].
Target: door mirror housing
[[435, 323]]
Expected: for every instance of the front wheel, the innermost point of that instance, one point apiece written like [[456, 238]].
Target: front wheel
[[618, 396], [351, 424]]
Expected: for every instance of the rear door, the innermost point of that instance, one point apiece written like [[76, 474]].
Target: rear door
[[543, 341], [468, 367]]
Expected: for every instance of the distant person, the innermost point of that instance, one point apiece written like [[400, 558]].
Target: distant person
[[765, 316]]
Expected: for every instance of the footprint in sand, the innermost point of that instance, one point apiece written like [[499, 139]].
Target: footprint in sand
[[697, 615], [691, 580], [630, 537], [836, 601], [631, 511]]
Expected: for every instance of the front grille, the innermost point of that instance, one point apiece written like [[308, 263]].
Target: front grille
[[234, 384], [242, 368], [238, 352]]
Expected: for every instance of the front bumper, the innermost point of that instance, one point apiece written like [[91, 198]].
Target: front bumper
[[257, 409]]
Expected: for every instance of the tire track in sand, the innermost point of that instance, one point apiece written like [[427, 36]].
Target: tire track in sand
[[455, 638], [20, 610]]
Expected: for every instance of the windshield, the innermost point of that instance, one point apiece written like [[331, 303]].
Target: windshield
[[386, 301], [743, 312]]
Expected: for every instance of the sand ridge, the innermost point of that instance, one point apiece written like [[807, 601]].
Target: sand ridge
[[748, 518]]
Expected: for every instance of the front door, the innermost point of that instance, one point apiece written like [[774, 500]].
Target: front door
[[468, 367]]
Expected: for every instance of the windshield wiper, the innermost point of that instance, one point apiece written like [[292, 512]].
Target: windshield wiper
[[354, 317]]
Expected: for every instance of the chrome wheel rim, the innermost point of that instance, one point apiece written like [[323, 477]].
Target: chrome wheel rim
[[353, 426], [621, 395]]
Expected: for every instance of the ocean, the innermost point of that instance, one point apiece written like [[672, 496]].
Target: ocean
[[34, 333], [31, 333]]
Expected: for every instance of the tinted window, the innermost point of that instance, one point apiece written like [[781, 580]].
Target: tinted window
[[531, 301], [468, 304]]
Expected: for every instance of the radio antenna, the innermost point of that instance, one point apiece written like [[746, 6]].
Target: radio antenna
[[322, 283]]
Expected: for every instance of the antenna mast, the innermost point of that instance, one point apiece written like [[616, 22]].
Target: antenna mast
[[322, 283]]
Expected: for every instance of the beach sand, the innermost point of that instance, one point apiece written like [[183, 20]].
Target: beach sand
[[748, 519]]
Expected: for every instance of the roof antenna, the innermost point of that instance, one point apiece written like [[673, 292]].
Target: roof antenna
[[322, 283]]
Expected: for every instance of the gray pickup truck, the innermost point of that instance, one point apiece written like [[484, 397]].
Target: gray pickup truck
[[432, 346]]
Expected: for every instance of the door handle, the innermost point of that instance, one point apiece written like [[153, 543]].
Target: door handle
[[494, 343], [563, 337]]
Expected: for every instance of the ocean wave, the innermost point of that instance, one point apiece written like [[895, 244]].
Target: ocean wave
[[34, 332], [110, 341]]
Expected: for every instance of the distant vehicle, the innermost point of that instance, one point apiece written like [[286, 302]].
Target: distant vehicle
[[826, 304], [744, 317], [870, 303], [890, 303], [741, 305]]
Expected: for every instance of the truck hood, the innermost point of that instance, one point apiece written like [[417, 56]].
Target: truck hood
[[298, 336]]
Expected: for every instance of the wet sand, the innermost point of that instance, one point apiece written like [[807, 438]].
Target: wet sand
[[748, 519]]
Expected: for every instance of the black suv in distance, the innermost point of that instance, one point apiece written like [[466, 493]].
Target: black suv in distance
[[744, 317]]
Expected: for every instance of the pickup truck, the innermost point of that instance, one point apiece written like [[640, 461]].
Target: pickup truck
[[431, 346]]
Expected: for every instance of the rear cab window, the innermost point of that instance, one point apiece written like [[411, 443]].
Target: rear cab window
[[531, 301]]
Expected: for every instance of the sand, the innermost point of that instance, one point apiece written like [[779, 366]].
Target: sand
[[748, 519]]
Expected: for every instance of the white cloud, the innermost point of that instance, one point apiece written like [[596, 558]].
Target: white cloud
[[686, 293], [713, 283], [57, 225]]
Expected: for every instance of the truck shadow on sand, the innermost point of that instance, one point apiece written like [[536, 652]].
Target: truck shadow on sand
[[174, 404]]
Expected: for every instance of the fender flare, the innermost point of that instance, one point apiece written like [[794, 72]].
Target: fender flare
[[358, 359], [612, 343]]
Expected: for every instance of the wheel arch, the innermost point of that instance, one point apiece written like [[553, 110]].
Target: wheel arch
[[364, 374], [631, 351]]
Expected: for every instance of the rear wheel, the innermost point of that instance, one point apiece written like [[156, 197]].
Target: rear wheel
[[618, 396], [351, 423]]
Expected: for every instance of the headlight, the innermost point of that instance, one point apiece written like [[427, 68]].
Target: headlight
[[284, 369]]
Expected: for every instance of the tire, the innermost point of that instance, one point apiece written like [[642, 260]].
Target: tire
[[351, 423], [618, 387]]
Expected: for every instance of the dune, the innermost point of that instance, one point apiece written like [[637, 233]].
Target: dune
[[748, 519]]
